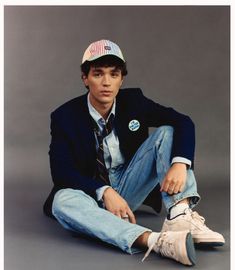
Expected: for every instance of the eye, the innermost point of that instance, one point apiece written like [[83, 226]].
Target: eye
[[114, 74], [97, 74]]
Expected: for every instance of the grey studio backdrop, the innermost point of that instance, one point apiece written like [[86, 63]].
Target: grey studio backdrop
[[178, 55]]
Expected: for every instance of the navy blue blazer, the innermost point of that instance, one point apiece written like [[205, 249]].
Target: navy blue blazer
[[73, 147]]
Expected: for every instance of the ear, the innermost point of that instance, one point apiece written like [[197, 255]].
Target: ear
[[121, 81], [84, 78]]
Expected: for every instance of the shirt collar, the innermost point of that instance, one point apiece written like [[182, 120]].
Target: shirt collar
[[96, 115]]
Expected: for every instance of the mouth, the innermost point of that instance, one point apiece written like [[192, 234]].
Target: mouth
[[106, 92]]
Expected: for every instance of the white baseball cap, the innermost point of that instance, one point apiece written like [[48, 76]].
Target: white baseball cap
[[101, 48]]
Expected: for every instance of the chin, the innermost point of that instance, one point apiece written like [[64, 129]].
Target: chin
[[105, 100]]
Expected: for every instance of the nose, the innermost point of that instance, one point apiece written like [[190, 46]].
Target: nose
[[106, 80]]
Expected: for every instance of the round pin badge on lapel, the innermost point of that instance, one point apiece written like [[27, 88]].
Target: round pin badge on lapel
[[134, 125]]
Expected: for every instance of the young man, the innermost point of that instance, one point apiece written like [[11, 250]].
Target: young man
[[104, 165]]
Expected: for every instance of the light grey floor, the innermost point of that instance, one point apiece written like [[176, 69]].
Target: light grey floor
[[33, 241]]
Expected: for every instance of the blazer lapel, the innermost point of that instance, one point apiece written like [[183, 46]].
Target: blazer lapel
[[122, 118], [85, 127]]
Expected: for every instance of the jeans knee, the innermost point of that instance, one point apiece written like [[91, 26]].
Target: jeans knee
[[67, 199], [164, 138], [168, 130], [59, 201]]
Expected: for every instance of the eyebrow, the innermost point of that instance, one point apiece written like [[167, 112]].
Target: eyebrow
[[99, 69]]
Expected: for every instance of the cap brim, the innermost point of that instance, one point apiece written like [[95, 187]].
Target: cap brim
[[97, 57]]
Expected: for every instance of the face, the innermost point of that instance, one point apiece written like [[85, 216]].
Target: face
[[104, 84]]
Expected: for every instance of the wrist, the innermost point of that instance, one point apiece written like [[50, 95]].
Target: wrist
[[106, 192], [180, 165]]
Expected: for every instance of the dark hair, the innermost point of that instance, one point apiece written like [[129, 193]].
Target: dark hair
[[104, 61]]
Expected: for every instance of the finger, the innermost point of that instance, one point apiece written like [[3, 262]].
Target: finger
[[165, 185], [124, 214], [170, 190], [118, 214], [172, 187], [131, 216], [177, 188]]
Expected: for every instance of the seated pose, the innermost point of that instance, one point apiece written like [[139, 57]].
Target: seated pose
[[104, 164]]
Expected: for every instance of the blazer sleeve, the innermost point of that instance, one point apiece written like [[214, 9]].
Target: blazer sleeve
[[65, 173], [184, 130]]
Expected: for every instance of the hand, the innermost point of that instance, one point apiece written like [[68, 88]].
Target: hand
[[117, 205], [175, 179]]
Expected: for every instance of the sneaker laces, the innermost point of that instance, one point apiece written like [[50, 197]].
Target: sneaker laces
[[167, 250], [199, 221]]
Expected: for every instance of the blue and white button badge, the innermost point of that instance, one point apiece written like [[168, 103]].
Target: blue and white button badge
[[134, 125]]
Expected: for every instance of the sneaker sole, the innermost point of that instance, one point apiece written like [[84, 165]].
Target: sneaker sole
[[190, 249], [209, 244]]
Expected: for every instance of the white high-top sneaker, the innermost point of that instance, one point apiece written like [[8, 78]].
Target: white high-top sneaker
[[175, 245], [191, 221]]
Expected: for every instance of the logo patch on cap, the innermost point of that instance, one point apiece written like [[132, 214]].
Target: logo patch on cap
[[107, 48], [134, 125]]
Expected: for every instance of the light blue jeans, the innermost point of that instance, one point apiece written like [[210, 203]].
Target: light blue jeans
[[79, 212]]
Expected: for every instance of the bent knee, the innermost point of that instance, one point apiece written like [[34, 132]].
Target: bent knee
[[60, 199], [68, 198], [166, 129]]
